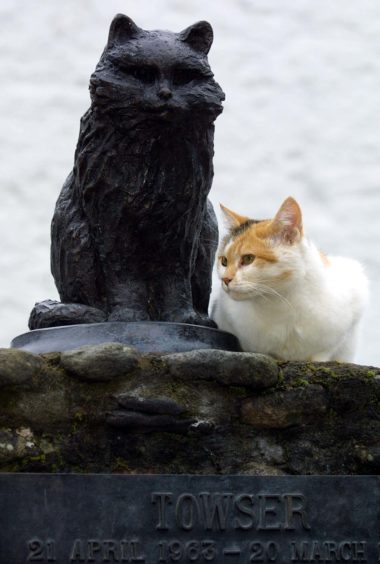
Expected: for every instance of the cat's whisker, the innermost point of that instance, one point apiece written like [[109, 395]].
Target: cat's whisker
[[282, 298], [274, 292], [252, 287], [270, 291]]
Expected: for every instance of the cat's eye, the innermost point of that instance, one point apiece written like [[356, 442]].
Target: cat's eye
[[223, 261], [184, 76], [247, 259]]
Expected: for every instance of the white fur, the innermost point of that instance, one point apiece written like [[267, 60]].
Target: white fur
[[312, 315]]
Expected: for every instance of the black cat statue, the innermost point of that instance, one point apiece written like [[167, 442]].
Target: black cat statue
[[133, 234]]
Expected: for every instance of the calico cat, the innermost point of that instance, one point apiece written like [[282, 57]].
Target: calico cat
[[281, 296], [133, 234]]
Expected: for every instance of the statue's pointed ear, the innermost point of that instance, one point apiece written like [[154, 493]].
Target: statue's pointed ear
[[199, 36], [122, 28]]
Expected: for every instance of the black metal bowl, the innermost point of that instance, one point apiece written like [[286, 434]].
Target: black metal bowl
[[147, 336]]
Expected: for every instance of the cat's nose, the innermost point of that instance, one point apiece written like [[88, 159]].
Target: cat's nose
[[165, 93], [226, 280]]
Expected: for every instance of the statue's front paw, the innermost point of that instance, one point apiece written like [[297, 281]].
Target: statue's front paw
[[51, 313]]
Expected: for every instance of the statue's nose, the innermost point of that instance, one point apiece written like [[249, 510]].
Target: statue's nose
[[165, 93]]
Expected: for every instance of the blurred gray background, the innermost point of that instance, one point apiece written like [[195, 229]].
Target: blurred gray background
[[301, 118]]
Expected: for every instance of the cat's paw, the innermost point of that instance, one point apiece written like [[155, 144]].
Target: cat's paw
[[128, 314], [51, 313]]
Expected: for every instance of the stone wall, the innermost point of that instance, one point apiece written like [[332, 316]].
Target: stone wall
[[109, 408]]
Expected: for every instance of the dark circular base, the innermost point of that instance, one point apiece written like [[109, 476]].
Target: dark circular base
[[147, 336]]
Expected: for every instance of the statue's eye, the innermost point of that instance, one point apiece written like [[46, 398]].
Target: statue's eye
[[224, 261], [184, 76], [145, 74], [247, 259]]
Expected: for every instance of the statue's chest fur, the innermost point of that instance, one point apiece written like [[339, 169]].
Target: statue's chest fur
[[153, 175]]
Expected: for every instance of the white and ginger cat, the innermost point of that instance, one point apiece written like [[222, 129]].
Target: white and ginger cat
[[281, 296]]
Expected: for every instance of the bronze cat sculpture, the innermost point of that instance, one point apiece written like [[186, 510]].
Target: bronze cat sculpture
[[133, 234]]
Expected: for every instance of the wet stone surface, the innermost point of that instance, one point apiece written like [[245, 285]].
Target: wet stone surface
[[255, 371], [109, 408], [285, 409], [100, 363], [18, 367]]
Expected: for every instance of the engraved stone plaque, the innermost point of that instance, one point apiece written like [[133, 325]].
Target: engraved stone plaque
[[166, 519]]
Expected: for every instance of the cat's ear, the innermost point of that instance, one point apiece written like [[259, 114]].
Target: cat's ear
[[199, 36], [287, 223], [122, 29], [232, 219]]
